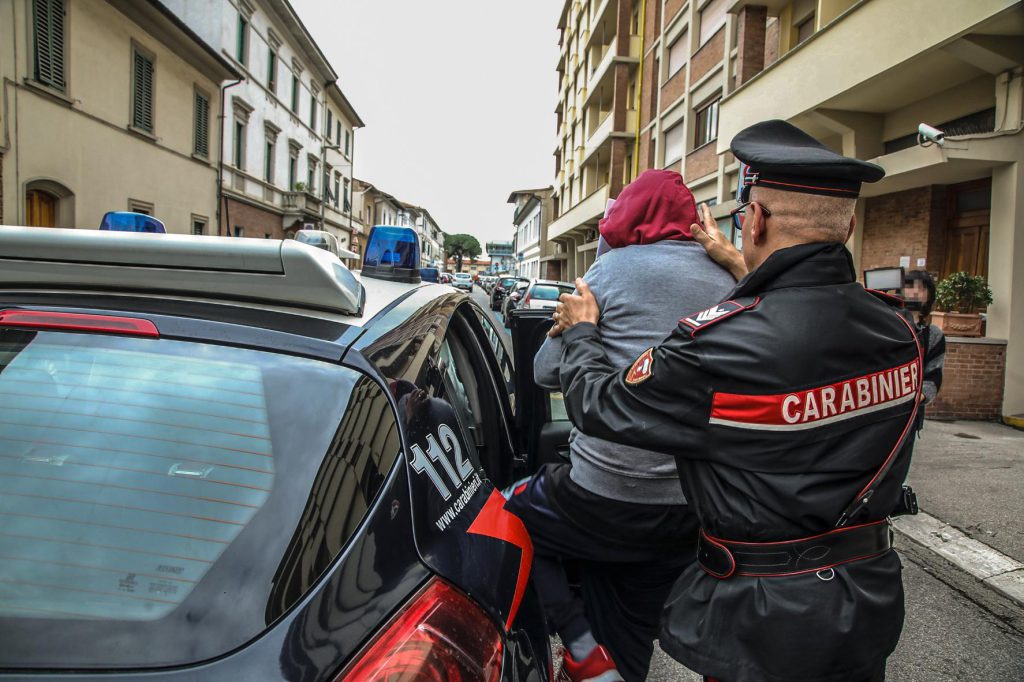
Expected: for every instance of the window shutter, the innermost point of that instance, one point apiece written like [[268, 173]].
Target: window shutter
[[48, 31], [202, 121], [142, 105]]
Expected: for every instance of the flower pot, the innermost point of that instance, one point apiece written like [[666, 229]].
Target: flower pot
[[958, 324]]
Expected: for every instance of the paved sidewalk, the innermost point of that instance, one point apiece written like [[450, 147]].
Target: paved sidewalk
[[970, 475]]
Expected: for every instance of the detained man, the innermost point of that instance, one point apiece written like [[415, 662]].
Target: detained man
[[617, 512]]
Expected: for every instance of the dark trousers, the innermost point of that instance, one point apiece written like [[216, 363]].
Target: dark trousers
[[628, 556]]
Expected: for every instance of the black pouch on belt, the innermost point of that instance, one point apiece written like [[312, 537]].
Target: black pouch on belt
[[725, 558]]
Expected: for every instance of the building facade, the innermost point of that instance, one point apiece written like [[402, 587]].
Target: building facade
[[474, 266], [288, 128], [431, 236], [502, 256], [596, 120], [708, 68], [850, 74], [107, 106], [535, 255], [374, 206]]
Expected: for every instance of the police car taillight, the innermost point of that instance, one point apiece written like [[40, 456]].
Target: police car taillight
[[441, 635], [77, 322], [392, 253]]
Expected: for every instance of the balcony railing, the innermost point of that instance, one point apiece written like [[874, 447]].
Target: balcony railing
[[301, 202]]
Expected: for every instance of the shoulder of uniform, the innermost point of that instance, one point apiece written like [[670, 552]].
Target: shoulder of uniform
[[717, 313], [889, 299]]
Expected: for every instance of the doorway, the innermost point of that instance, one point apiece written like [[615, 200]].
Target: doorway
[[40, 209], [967, 233]]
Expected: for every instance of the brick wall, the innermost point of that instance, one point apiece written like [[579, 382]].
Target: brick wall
[[708, 56], [648, 100], [646, 162], [909, 223], [672, 8], [972, 382], [701, 162], [673, 89], [751, 41], [256, 221]]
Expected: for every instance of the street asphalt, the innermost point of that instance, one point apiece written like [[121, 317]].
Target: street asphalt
[[969, 475]]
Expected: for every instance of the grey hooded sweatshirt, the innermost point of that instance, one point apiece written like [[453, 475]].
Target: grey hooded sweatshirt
[[643, 291]]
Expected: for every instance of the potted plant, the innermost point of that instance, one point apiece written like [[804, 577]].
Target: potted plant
[[957, 298], [300, 187]]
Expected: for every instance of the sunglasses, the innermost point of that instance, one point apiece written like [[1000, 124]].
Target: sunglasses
[[737, 213]]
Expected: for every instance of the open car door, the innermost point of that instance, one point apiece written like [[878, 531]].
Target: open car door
[[542, 425]]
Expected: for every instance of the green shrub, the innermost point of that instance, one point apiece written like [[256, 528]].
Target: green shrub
[[962, 293]]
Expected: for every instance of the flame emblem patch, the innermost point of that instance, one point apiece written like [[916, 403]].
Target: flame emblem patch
[[641, 369]]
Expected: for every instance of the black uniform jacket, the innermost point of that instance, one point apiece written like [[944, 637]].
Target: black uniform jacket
[[779, 405]]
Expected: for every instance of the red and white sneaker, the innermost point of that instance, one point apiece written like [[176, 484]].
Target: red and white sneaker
[[597, 667]]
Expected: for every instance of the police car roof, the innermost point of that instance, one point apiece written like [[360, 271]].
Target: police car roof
[[280, 273]]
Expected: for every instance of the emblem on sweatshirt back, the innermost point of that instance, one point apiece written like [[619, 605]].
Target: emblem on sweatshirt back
[[641, 369]]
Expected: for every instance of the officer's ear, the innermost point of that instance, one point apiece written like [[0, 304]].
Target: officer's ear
[[757, 225], [853, 227]]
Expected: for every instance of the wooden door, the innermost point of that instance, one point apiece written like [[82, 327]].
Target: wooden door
[[40, 209], [967, 233]]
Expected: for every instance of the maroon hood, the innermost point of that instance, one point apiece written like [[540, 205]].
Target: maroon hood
[[656, 206]]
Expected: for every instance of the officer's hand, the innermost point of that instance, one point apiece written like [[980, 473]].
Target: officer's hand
[[574, 309], [718, 247]]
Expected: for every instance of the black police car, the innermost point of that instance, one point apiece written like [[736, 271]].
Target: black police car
[[228, 458]]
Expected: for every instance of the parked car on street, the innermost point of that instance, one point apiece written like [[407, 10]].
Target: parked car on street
[[513, 298], [235, 459], [463, 280], [501, 289], [544, 293]]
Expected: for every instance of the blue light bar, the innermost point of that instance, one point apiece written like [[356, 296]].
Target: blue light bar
[[392, 253], [127, 221]]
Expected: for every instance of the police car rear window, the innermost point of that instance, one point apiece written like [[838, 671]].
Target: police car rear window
[[145, 481]]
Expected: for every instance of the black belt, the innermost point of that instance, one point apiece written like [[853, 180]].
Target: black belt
[[725, 558]]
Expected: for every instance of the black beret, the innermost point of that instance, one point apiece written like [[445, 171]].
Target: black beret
[[781, 156]]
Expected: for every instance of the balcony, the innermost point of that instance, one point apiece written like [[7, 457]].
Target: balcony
[[868, 63], [587, 210], [301, 203]]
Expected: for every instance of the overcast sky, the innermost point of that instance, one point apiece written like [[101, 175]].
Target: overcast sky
[[457, 96]]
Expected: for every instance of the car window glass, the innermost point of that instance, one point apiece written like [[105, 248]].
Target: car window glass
[[501, 354], [548, 292], [143, 481], [462, 391]]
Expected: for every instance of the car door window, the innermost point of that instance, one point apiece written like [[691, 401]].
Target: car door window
[[501, 354], [471, 389]]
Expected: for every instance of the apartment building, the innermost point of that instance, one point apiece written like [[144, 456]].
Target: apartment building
[[849, 73], [534, 254], [288, 127], [374, 206], [640, 87], [107, 106], [853, 76], [596, 120], [431, 236], [502, 256]]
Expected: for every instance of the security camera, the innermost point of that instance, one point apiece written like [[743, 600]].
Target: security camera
[[927, 134]]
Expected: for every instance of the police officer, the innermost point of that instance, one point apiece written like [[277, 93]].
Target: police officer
[[789, 409]]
